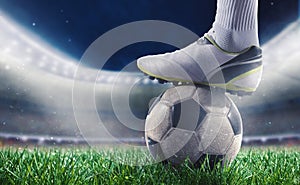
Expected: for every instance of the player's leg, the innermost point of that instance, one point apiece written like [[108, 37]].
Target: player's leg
[[230, 48], [235, 27]]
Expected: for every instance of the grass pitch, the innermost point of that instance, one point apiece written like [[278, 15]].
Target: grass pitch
[[81, 166]]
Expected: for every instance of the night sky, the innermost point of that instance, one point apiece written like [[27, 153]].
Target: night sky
[[72, 26]]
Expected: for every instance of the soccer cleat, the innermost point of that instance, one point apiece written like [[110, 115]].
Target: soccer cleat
[[205, 63]]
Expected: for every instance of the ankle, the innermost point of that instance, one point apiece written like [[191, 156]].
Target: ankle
[[236, 24], [234, 40]]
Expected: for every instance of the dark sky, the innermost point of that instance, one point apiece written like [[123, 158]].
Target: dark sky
[[73, 25]]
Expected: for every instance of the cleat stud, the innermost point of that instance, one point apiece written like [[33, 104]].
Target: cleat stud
[[161, 81], [151, 77]]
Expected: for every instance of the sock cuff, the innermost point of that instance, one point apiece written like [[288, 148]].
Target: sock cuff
[[239, 15]]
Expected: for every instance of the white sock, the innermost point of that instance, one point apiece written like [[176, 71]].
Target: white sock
[[235, 27]]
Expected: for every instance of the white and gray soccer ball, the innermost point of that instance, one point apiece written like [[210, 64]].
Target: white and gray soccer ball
[[195, 124]]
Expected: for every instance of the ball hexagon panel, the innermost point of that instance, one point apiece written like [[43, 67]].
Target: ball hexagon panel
[[155, 149], [160, 121], [233, 150], [209, 129], [223, 139], [189, 151], [175, 140], [177, 94], [235, 119], [187, 115], [212, 101], [154, 102]]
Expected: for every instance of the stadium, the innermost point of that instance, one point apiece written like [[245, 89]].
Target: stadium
[[43, 100]]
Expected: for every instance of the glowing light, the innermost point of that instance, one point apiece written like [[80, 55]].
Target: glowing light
[[127, 80], [66, 72], [26, 49], [7, 67], [110, 79], [44, 57], [15, 43], [28, 59], [6, 50], [38, 50], [146, 81], [54, 69], [41, 64]]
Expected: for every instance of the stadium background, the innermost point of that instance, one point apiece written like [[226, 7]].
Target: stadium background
[[71, 27]]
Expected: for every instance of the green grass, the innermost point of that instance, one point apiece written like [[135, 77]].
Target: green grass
[[84, 166]]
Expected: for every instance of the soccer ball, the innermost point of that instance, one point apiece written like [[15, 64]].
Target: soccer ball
[[192, 123]]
